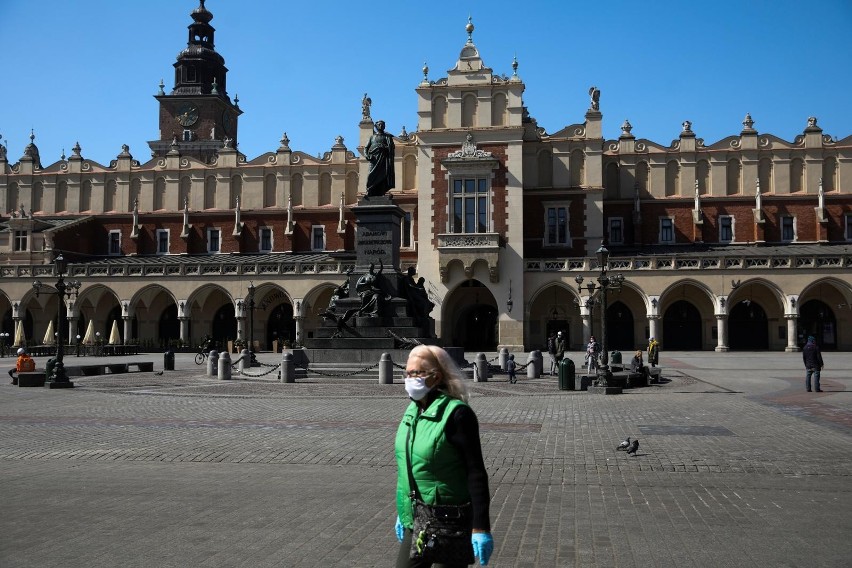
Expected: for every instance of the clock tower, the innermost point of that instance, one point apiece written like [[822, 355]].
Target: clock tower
[[198, 114]]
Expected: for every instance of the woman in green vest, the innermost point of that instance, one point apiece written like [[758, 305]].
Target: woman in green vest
[[439, 433]]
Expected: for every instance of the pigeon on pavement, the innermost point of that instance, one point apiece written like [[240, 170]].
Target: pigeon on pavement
[[158, 373], [633, 447], [624, 445]]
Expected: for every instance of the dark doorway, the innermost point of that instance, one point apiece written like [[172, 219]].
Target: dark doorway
[[476, 329], [748, 327], [817, 319], [169, 326], [225, 325], [682, 327], [281, 326], [619, 327]]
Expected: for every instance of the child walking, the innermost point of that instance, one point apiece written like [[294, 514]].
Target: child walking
[[510, 367]]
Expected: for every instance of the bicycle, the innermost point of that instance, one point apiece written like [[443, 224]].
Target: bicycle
[[202, 354]]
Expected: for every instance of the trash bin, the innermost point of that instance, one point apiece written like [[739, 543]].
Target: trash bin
[[566, 373], [615, 358], [169, 360]]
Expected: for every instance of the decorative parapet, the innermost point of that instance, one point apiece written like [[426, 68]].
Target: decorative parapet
[[469, 248], [696, 263]]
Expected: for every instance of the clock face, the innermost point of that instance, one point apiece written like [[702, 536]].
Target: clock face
[[228, 122], [187, 114]]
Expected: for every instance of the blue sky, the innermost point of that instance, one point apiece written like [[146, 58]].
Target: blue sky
[[87, 70]]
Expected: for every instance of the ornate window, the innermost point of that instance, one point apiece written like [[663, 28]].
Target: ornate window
[[469, 206]]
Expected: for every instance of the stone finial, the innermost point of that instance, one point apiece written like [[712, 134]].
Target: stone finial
[[404, 135], [285, 143], [469, 29], [812, 121], [236, 100], [214, 88], [162, 91], [686, 126], [227, 142], [515, 66], [76, 151], [748, 123], [626, 128], [425, 72]]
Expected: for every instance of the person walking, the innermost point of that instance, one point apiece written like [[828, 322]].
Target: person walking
[[551, 350], [653, 352], [510, 368], [559, 352], [812, 358], [439, 458]]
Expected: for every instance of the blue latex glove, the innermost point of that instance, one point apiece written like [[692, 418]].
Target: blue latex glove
[[483, 546], [400, 530]]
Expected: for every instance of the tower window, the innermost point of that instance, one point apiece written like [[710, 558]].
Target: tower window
[[187, 135], [469, 206], [191, 75]]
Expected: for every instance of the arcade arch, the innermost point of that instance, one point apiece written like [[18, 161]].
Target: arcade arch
[[470, 317]]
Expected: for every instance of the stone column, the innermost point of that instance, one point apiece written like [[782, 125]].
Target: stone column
[[71, 339], [792, 320], [722, 332], [298, 317], [184, 329], [652, 327], [128, 328]]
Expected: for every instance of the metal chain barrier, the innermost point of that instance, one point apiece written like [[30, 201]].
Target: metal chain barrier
[[271, 369], [405, 342], [336, 375]]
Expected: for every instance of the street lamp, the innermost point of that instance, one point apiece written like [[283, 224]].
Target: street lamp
[[58, 378], [4, 339], [604, 284], [252, 360]]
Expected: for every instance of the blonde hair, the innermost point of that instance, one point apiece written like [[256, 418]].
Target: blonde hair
[[451, 376]]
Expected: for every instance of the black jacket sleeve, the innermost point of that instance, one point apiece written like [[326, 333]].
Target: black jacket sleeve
[[462, 431]]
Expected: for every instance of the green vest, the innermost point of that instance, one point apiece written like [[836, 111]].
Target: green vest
[[436, 464]]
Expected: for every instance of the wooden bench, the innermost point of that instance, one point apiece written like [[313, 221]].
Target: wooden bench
[[31, 379]]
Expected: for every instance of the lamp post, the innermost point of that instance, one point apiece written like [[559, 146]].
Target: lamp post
[[4, 339], [605, 283], [78, 345], [70, 289], [252, 360]]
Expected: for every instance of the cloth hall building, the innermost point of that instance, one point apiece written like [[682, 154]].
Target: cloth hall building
[[742, 243]]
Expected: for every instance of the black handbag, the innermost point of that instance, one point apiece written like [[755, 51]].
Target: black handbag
[[441, 533]]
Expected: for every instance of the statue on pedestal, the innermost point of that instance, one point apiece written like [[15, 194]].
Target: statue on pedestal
[[419, 304], [379, 152]]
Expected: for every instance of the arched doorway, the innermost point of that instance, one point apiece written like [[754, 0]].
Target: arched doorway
[[748, 327], [281, 325], [817, 318], [169, 326], [682, 327], [224, 325], [619, 327], [470, 313]]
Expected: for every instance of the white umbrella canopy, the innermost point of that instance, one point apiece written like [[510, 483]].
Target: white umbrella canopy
[[114, 337], [19, 334], [89, 338], [48, 335]]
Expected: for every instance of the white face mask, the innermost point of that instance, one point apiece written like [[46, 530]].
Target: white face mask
[[416, 387]]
